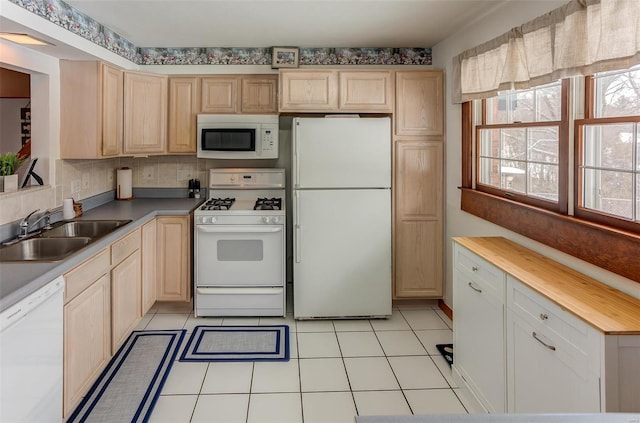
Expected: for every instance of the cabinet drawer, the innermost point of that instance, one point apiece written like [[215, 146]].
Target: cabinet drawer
[[240, 301], [123, 247], [478, 271], [83, 275], [553, 325]]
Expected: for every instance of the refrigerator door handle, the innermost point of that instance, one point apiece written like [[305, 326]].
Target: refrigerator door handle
[[296, 225], [296, 158]]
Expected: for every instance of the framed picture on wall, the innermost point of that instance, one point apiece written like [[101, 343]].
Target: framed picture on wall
[[25, 124], [285, 57]]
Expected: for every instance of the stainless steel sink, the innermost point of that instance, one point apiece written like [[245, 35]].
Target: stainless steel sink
[[84, 228], [59, 242], [42, 249]]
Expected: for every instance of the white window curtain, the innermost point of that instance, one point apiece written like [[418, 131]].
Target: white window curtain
[[580, 38]]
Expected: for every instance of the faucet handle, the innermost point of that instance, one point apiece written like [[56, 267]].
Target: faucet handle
[[26, 218]]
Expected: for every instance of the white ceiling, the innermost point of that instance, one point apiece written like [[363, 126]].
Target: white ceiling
[[303, 23]]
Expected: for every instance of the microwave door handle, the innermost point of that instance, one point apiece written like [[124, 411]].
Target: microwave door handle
[[239, 229]]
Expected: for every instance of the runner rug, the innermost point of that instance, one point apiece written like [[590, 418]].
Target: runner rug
[[128, 388], [238, 343]]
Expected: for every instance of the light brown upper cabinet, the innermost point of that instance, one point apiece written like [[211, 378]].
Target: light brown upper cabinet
[[220, 94], [91, 110], [184, 104], [366, 91], [249, 94], [418, 185], [419, 103], [308, 91], [336, 91], [259, 94], [145, 113]]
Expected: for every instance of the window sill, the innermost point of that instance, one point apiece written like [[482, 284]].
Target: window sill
[[606, 247]]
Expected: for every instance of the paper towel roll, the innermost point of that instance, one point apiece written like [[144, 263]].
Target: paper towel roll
[[124, 179], [67, 209]]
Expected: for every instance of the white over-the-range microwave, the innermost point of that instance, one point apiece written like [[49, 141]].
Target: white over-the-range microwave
[[237, 136]]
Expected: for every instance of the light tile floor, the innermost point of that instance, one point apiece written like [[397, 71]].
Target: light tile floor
[[338, 368]]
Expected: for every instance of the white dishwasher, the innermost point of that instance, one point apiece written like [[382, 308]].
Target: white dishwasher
[[31, 336]]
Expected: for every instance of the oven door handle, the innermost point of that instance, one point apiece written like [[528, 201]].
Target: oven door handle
[[239, 229]]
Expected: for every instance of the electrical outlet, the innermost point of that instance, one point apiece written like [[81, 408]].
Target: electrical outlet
[[148, 173], [183, 175], [110, 176], [75, 186], [86, 180]]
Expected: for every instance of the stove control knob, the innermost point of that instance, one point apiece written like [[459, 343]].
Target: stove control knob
[[276, 219], [266, 219], [213, 219], [202, 219]]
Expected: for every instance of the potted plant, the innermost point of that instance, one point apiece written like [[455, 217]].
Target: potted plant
[[9, 165]]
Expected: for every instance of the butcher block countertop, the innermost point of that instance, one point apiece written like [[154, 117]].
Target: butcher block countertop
[[607, 309]]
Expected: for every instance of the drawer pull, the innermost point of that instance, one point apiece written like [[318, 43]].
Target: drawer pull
[[543, 316], [551, 347], [474, 288], [475, 268]]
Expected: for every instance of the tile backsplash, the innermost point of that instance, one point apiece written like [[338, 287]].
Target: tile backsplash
[[80, 179]]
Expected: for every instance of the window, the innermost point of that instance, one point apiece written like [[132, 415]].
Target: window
[[608, 153], [522, 146], [516, 174]]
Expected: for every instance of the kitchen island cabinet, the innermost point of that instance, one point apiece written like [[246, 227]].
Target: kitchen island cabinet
[[567, 343], [174, 258], [480, 349], [92, 110], [418, 185]]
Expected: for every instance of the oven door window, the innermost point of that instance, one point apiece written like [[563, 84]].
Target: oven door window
[[228, 139], [240, 255]]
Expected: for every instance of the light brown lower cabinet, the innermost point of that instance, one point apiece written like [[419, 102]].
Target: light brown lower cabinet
[[87, 340], [174, 258], [126, 302], [418, 230], [149, 265], [107, 295]]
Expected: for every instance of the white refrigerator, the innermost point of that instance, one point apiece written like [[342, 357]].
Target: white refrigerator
[[341, 217]]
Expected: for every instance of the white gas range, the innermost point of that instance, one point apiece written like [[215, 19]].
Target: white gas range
[[239, 239]]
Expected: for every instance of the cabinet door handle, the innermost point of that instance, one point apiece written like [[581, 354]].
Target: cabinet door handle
[[474, 268], [543, 316], [535, 335], [474, 288]]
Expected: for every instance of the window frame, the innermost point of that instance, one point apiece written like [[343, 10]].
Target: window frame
[[603, 245], [579, 210], [563, 125]]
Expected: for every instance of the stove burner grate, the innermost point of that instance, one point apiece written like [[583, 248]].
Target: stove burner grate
[[218, 204], [268, 204]]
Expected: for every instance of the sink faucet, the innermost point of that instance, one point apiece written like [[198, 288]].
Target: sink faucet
[[24, 226], [23, 229]]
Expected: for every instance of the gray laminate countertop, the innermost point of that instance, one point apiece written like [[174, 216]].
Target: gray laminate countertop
[[18, 280]]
